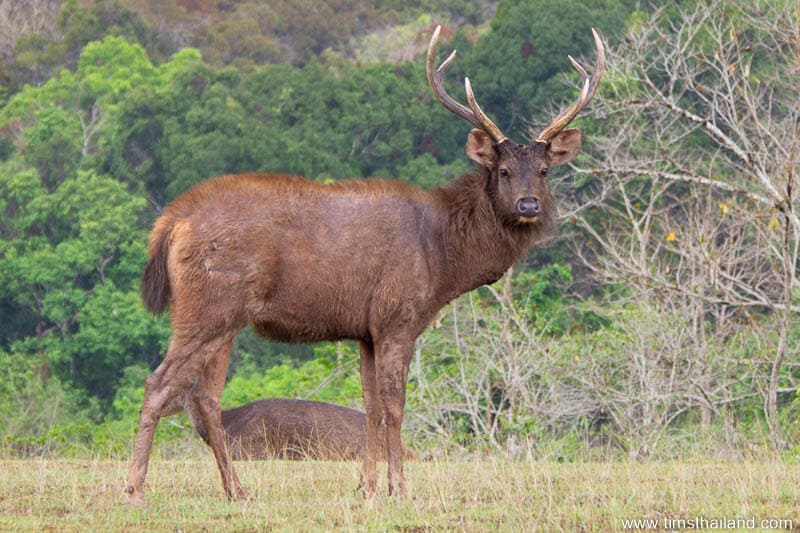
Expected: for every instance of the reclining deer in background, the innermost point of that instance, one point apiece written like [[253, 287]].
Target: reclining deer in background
[[369, 260], [280, 428]]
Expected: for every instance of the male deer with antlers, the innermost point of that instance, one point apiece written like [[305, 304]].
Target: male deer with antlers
[[369, 260]]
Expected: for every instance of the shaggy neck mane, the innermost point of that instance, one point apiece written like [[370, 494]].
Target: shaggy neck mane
[[480, 242]]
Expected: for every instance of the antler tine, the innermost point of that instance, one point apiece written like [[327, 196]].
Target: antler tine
[[578, 67], [475, 116], [488, 126], [435, 79], [590, 84]]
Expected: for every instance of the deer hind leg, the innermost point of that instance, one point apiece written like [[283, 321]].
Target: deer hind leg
[[203, 407], [374, 411], [166, 392]]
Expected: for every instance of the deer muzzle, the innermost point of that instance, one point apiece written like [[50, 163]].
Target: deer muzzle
[[528, 207]]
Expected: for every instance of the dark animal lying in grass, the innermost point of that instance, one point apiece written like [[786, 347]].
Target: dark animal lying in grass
[[298, 429]]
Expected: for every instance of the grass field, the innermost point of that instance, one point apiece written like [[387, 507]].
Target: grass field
[[81, 495]]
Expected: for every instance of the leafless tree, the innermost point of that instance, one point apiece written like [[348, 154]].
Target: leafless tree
[[485, 378], [517, 391], [25, 17], [693, 202]]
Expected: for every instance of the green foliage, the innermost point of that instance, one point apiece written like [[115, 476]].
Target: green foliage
[[73, 239], [111, 67], [81, 25], [515, 68], [38, 414], [52, 145], [492, 379], [29, 400], [37, 57], [331, 377], [542, 294], [320, 121], [470, 11], [107, 131], [69, 257]]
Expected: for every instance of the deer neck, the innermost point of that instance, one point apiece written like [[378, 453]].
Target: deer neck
[[479, 247]]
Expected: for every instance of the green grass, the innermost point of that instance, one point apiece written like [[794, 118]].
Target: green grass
[[82, 495]]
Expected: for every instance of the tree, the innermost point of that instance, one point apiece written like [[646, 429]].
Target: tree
[[516, 65], [70, 259], [694, 202], [26, 17], [72, 239]]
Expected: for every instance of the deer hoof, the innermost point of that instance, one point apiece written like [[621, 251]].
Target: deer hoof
[[367, 490], [135, 497], [239, 495]]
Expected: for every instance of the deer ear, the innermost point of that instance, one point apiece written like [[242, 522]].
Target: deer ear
[[564, 146], [480, 148]]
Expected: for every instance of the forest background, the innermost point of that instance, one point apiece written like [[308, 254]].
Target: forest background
[[662, 321]]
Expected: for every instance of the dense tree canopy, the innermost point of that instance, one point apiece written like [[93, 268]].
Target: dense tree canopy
[[111, 109]]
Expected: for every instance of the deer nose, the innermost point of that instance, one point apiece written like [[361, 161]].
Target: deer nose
[[528, 206]]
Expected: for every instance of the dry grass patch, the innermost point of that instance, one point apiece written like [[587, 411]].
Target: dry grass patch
[[71, 495]]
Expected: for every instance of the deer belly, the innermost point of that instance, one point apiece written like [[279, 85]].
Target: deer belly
[[295, 331], [305, 316]]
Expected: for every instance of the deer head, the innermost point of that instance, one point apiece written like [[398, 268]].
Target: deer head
[[518, 172]]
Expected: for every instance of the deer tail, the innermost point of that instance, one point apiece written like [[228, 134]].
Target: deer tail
[[155, 280]]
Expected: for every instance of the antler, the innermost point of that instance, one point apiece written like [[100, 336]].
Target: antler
[[475, 115], [590, 85]]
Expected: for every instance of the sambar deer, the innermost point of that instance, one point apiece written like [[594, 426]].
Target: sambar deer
[[282, 428], [367, 259]]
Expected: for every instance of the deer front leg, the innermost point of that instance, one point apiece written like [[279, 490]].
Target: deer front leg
[[393, 359], [205, 412], [374, 412]]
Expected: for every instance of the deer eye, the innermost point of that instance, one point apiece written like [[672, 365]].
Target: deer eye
[[543, 171], [503, 172]]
